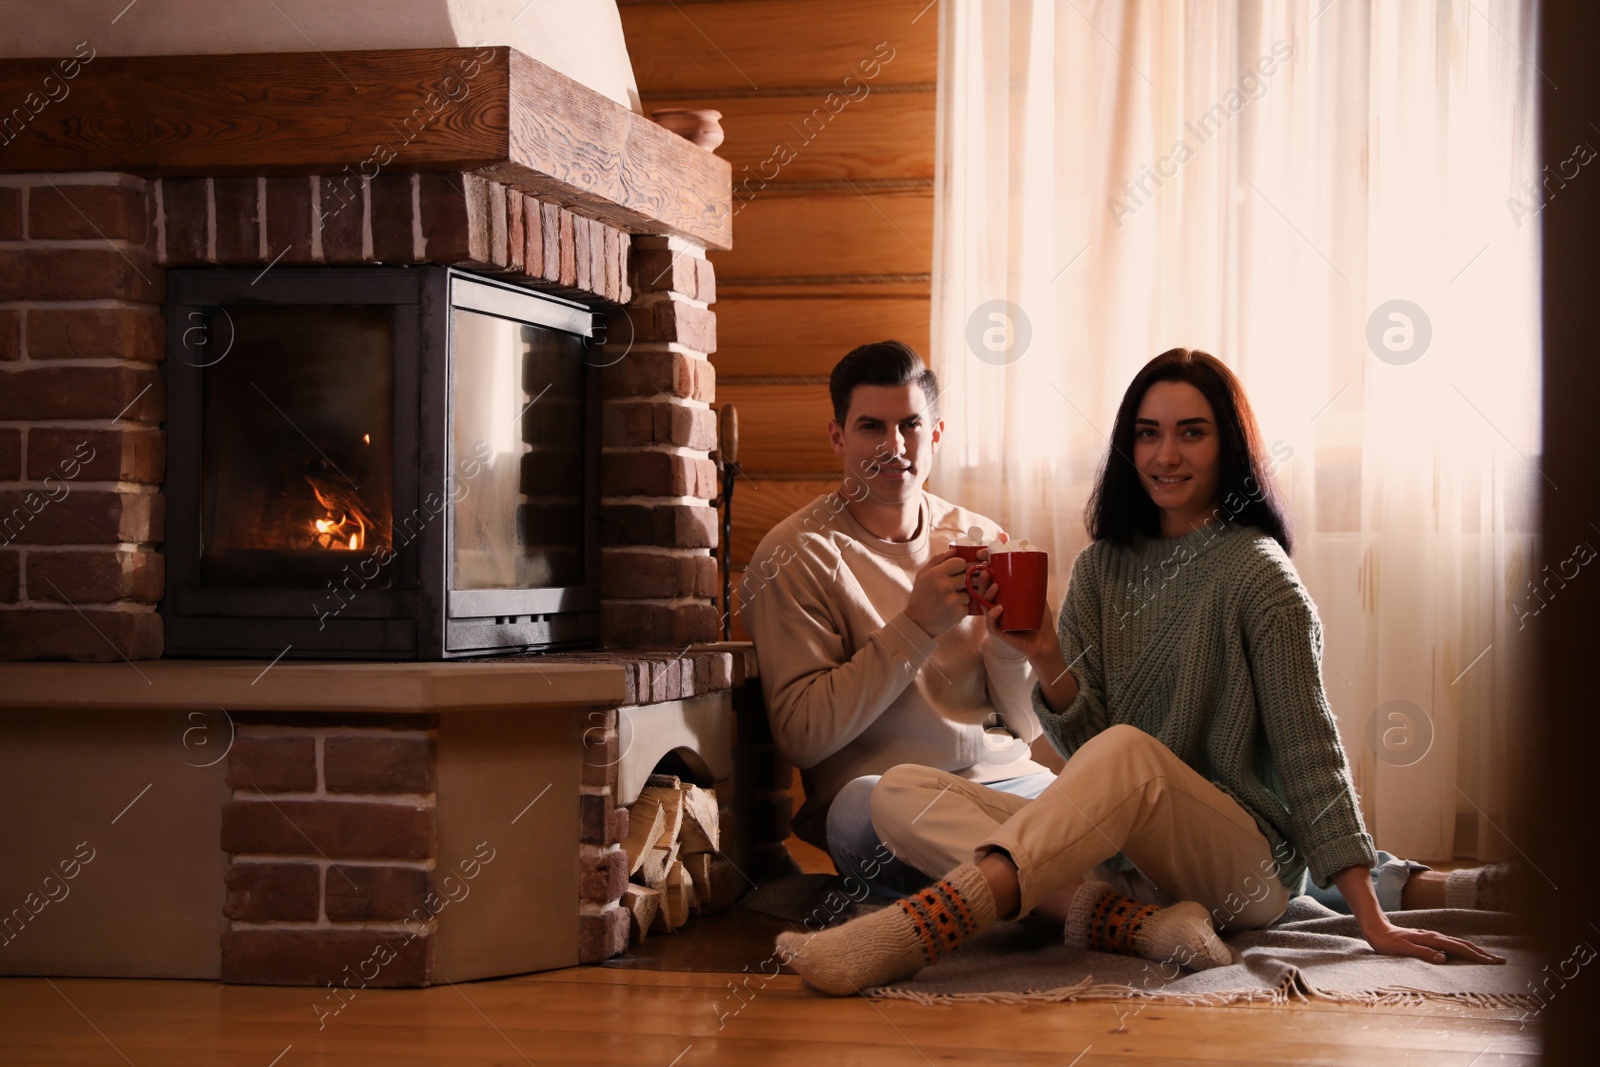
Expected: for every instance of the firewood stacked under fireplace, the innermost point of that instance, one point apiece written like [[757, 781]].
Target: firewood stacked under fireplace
[[675, 867]]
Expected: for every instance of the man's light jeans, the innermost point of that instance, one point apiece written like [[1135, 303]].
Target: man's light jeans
[[858, 852]]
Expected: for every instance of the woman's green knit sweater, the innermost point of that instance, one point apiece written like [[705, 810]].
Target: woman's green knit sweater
[[1210, 643]]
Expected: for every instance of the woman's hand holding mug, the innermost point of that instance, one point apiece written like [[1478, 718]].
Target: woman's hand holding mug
[[1013, 580]]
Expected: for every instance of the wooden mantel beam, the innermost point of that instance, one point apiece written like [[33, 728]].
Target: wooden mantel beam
[[490, 110]]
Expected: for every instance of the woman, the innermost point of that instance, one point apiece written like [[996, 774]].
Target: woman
[[1205, 777]]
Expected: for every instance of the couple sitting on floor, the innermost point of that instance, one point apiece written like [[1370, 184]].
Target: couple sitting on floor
[[1204, 775]]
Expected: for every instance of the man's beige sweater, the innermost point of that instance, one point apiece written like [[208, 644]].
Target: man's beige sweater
[[854, 687]]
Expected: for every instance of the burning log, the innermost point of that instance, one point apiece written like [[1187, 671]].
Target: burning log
[[346, 520]]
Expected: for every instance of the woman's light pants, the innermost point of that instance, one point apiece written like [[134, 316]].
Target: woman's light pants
[[1123, 791]]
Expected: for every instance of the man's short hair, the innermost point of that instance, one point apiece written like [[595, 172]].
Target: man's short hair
[[881, 363]]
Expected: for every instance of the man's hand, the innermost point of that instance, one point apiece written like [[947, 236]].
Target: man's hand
[[939, 594], [984, 582]]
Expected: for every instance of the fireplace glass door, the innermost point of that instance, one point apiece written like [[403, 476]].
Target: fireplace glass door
[[519, 411], [524, 438], [297, 462]]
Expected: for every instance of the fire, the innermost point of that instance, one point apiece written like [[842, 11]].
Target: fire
[[346, 523]]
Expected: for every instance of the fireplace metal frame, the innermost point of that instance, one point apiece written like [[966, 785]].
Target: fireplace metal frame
[[420, 617]]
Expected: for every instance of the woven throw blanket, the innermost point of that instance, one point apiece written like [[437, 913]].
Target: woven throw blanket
[[1312, 953]]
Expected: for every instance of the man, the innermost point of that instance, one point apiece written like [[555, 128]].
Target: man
[[858, 610]]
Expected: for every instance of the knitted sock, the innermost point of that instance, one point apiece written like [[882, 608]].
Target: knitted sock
[[895, 942], [1483, 888], [1182, 933]]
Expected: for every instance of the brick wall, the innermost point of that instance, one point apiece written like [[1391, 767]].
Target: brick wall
[[602, 864], [81, 400], [659, 480], [342, 220], [331, 857]]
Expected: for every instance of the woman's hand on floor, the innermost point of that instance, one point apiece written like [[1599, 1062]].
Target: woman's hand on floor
[[1390, 940], [1387, 939]]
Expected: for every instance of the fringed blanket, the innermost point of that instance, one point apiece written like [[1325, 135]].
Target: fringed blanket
[[1311, 954]]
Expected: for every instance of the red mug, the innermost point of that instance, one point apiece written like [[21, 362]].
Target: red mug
[[969, 553], [1022, 577]]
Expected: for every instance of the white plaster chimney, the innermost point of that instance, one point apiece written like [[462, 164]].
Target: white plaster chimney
[[580, 38]]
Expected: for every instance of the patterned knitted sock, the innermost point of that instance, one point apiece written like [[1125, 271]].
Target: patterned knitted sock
[[1483, 888], [895, 942], [1182, 933]]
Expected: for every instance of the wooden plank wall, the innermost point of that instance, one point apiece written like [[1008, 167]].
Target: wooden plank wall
[[828, 106]]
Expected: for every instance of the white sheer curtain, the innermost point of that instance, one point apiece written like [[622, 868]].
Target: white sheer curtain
[[1262, 180]]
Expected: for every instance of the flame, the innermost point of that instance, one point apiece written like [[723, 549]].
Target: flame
[[346, 524]]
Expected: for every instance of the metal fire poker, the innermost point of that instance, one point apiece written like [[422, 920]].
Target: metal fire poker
[[728, 453]]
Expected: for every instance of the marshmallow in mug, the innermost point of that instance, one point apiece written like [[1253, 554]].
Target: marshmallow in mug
[[1014, 546], [973, 538]]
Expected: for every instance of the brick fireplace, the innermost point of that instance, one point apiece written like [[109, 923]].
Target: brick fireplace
[[425, 821], [82, 335]]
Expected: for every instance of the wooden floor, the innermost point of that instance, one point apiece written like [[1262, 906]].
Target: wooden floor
[[645, 1018], [671, 1005]]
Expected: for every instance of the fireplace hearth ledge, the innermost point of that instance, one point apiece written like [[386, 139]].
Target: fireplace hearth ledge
[[258, 685]]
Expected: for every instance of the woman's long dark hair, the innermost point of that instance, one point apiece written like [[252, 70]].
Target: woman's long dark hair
[[1120, 509]]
